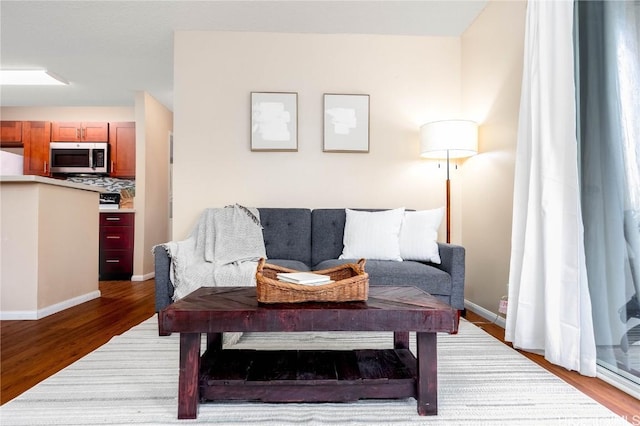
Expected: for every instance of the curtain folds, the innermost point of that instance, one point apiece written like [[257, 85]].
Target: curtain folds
[[549, 308], [608, 38]]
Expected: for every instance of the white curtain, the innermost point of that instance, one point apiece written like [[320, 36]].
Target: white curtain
[[549, 307]]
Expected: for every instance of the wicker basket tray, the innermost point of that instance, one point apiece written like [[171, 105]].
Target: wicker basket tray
[[350, 283]]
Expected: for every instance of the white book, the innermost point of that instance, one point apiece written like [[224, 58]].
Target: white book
[[303, 278], [284, 280]]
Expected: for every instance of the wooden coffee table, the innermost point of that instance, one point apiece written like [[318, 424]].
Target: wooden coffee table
[[307, 375]]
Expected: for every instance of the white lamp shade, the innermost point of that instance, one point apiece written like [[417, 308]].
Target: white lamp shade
[[458, 137]]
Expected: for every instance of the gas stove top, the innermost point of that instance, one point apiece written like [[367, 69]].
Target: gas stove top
[[109, 200]]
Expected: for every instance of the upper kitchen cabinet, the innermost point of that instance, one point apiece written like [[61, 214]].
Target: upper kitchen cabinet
[[75, 131], [35, 139], [10, 134], [122, 146]]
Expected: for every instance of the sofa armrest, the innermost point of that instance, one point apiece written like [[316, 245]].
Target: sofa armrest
[[164, 288], [452, 258]]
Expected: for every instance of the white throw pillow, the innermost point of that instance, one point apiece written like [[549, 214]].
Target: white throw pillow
[[372, 235], [419, 234]]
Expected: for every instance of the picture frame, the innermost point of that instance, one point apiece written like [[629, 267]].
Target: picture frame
[[346, 123], [274, 121]]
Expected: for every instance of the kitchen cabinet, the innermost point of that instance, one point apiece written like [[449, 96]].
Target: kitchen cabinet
[[76, 131], [10, 134], [122, 147], [116, 245], [35, 139]]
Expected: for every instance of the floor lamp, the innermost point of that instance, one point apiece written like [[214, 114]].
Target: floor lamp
[[450, 139]]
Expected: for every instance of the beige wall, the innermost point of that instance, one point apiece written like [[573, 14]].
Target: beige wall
[[492, 55], [19, 247], [411, 80], [154, 124], [49, 247], [68, 244]]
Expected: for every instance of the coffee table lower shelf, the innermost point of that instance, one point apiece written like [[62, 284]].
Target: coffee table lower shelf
[[307, 375]]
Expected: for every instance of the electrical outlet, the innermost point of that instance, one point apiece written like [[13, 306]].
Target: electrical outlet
[[502, 307]]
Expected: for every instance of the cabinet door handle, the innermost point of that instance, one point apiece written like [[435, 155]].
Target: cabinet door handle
[[113, 218], [77, 133], [82, 133], [45, 168], [113, 261], [113, 237]]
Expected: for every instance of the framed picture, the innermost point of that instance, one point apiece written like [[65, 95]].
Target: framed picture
[[346, 123], [274, 121]]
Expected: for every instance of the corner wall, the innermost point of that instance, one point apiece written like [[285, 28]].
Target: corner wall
[[410, 80], [492, 57], [154, 122]]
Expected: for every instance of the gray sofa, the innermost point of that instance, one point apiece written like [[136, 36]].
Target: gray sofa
[[305, 239]]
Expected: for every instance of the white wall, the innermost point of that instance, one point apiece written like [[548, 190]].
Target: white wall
[[67, 113], [492, 57], [410, 80]]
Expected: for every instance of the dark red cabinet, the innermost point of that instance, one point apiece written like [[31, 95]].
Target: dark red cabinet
[[116, 245]]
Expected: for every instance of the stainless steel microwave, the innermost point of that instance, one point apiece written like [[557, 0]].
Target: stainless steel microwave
[[79, 158]]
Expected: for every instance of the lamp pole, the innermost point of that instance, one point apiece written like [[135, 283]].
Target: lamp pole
[[457, 138], [448, 209]]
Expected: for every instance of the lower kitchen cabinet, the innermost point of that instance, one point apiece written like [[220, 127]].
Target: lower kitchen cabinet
[[116, 245]]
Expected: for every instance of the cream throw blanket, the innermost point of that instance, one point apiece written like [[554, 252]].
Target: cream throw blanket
[[223, 249]]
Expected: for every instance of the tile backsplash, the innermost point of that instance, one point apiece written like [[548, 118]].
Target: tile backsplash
[[111, 184]]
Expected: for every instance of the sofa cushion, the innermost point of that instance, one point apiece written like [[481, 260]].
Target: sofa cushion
[[372, 235], [388, 272], [287, 233], [291, 264], [419, 234], [327, 231]]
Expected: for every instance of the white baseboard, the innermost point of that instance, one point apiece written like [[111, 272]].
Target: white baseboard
[[144, 277], [485, 313], [48, 310]]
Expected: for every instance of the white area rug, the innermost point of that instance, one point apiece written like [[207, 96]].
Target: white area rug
[[133, 380]]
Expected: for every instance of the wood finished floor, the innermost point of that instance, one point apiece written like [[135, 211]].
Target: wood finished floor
[[617, 401], [31, 351]]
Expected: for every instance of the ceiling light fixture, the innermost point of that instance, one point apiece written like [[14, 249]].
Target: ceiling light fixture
[[30, 78]]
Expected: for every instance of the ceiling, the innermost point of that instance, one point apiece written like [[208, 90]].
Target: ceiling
[[108, 50]]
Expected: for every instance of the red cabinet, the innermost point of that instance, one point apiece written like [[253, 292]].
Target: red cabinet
[[10, 134], [116, 245], [122, 144], [35, 139], [76, 131]]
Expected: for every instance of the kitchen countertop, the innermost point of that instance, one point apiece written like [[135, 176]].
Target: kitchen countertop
[[117, 210], [49, 181]]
